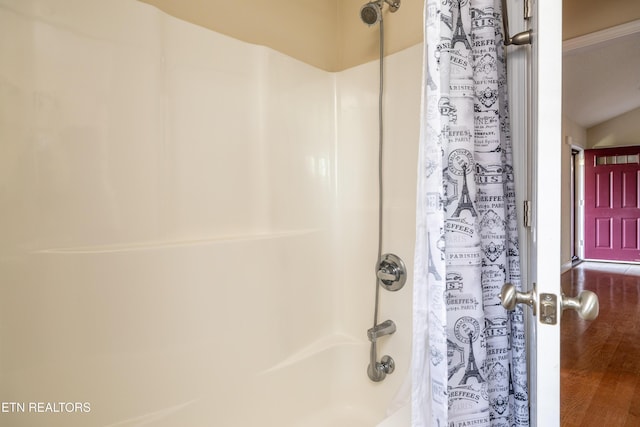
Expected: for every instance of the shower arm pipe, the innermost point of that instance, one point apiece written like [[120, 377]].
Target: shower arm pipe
[[393, 4]]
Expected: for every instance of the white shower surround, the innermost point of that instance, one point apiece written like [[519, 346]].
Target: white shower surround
[[189, 223]]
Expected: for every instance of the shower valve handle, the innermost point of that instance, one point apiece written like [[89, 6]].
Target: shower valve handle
[[391, 272], [391, 275]]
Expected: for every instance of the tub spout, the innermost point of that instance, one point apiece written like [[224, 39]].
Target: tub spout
[[381, 329]]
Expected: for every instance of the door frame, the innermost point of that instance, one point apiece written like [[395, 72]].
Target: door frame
[[577, 199]]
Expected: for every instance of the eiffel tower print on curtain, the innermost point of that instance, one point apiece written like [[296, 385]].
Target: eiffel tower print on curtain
[[459, 35], [465, 203], [472, 370]]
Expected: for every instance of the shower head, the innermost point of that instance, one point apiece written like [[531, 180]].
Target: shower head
[[371, 13]]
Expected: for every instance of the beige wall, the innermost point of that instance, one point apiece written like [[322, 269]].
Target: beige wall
[[577, 133], [619, 131], [327, 34], [582, 17]]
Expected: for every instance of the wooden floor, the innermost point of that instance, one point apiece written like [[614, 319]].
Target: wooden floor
[[600, 362]]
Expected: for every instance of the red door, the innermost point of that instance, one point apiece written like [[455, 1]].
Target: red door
[[612, 205]]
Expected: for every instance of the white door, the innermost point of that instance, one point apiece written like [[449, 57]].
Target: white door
[[540, 123]]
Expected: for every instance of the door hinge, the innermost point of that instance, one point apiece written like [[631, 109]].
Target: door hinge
[[527, 213]]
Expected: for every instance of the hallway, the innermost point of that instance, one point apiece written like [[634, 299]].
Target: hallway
[[600, 361]]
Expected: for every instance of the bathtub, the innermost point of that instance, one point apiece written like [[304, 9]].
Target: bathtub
[[350, 400], [181, 333], [189, 241]]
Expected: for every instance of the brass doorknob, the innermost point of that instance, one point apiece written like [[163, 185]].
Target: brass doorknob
[[586, 304], [510, 296]]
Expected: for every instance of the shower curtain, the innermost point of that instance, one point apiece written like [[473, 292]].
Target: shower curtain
[[469, 361]]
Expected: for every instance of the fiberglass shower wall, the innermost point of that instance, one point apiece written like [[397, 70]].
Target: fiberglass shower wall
[[184, 214]]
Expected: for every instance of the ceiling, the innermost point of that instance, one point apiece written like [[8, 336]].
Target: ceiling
[[601, 75], [601, 63]]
